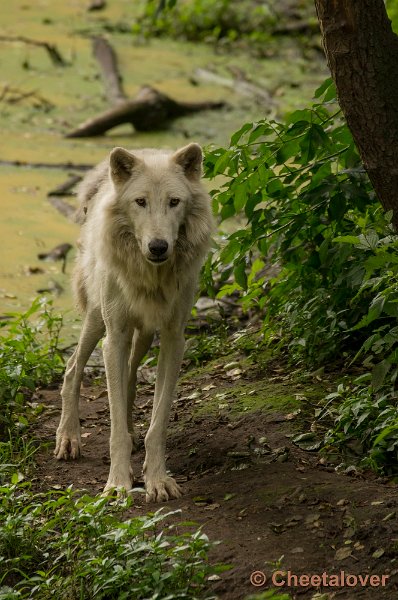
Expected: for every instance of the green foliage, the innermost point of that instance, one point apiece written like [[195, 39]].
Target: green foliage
[[55, 545], [392, 10], [240, 22], [204, 346], [367, 422], [316, 256], [29, 356], [270, 595], [297, 185]]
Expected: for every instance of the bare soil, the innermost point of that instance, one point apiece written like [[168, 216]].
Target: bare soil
[[271, 505]]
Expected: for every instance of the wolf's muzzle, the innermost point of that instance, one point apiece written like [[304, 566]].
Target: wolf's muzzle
[[158, 249]]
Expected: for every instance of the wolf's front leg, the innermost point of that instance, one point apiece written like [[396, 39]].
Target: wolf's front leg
[[116, 350], [159, 486], [68, 432]]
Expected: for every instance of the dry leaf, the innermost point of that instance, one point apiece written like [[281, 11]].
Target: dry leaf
[[231, 365], [212, 506], [343, 553], [234, 373], [342, 502]]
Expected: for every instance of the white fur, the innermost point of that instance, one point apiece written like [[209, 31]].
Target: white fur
[[127, 296]]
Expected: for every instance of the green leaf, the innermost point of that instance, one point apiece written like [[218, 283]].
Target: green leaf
[[238, 134], [240, 197], [307, 441], [346, 239], [240, 275], [374, 313], [323, 87], [222, 162], [314, 138], [230, 251], [260, 130], [379, 373], [227, 211], [368, 240]]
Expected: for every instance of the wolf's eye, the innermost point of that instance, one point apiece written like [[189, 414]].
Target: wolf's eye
[[174, 201], [141, 201]]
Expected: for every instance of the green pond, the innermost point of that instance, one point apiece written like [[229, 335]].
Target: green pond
[[40, 102]]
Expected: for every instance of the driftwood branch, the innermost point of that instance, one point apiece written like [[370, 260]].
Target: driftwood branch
[[96, 5], [42, 165], [148, 111], [111, 77], [12, 95], [239, 85], [52, 50], [63, 207], [65, 189]]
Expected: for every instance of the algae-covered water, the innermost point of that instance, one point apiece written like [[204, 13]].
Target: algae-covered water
[[40, 102]]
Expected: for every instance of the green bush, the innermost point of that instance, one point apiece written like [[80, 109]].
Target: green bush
[[317, 256], [244, 22], [392, 10], [54, 545], [29, 356]]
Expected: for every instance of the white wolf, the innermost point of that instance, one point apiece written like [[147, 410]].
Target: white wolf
[[147, 229]]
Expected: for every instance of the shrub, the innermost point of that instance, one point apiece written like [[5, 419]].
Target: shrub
[[317, 257], [29, 356], [58, 545]]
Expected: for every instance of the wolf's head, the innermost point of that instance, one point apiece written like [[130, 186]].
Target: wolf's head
[[155, 191]]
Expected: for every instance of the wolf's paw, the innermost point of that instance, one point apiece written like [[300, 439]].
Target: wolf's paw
[[162, 489], [68, 445], [119, 483]]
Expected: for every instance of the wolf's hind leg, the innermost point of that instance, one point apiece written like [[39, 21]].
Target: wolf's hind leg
[[68, 443], [141, 343]]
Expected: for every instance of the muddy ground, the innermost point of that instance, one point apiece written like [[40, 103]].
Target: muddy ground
[[272, 505]]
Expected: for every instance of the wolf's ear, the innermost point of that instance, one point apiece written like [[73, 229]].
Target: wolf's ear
[[190, 159], [122, 164]]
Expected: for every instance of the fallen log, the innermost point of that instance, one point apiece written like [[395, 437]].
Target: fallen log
[[96, 5], [43, 165], [148, 111], [63, 207], [239, 85], [52, 50], [65, 189], [111, 77], [60, 252]]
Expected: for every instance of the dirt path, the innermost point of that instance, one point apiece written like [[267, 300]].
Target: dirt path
[[273, 506]]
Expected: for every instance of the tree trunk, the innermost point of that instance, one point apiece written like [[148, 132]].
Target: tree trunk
[[362, 53]]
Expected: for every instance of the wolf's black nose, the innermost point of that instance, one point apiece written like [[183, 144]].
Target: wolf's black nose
[[158, 247]]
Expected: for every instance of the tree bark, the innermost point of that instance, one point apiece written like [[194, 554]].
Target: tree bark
[[362, 53]]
